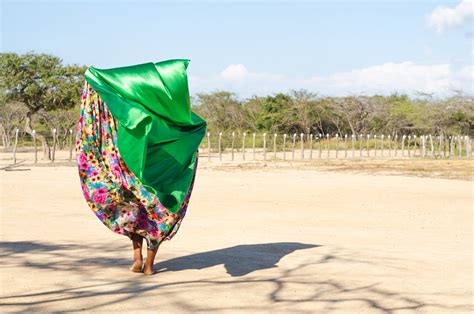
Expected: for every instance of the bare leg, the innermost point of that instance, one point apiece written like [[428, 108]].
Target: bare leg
[[137, 241], [150, 259]]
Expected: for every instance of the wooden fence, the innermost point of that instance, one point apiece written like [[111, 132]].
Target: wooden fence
[[265, 146], [67, 144], [275, 146]]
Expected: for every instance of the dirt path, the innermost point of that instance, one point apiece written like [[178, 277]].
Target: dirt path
[[253, 241]]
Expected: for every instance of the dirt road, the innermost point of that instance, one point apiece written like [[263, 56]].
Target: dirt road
[[278, 240]]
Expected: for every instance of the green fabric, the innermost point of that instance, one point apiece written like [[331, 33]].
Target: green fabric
[[158, 134]]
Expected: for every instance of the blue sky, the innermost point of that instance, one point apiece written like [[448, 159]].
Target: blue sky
[[261, 47]]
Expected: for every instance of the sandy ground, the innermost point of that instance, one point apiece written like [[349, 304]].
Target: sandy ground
[[255, 239]]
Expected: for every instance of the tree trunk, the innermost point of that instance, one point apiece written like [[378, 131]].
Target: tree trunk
[[64, 139], [41, 138], [5, 140], [351, 126]]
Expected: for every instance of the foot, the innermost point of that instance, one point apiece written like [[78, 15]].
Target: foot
[[137, 266], [150, 258], [148, 271]]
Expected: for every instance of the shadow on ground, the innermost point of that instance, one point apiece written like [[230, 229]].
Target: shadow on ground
[[100, 291], [238, 260]]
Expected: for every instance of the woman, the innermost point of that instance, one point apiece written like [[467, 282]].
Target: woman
[[137, 151]]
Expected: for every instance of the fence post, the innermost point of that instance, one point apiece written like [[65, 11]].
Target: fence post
[[302, 145], [293, 147], [264, 146], [16, 143], [232, 148], [275, 145], [389, 146], [426, 145], [327, 145], [419, 145], [396, 145], [460, 146], [345, 146], [361, 137], [71, 140], [408, 145], [311, 146], [455, 146], [382, 145], [65, 139], [253, 145], [284, 146], [432, 146], [34, 145], [444, 145], [375, 145], [469, 145], [368, 150], [208, 146], [353, 145], [319, 141], [422, 145], [219, 147], [450, 147], [54, 145], [337, 145], [243, 145], [438, 147], [403, 145], [466, 144]]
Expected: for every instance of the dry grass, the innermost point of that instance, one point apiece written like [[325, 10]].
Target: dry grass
[[459, 169]]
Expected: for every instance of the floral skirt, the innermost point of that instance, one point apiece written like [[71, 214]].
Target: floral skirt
[[115, 195]]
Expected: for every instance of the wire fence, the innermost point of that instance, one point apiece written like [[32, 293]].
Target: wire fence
[[236, 146]]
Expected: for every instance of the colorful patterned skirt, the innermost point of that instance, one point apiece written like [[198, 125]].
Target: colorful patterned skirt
[[113, 192]]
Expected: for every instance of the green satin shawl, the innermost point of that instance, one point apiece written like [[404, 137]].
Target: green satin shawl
[[158, 134]]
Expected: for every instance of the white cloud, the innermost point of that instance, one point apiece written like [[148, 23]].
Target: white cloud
[[390, 77], [234, 72], [404, 77], [442, 17]]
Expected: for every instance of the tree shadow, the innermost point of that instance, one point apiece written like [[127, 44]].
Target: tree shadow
[[98, 290]]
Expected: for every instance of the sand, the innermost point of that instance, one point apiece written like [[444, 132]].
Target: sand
[[258, 239]]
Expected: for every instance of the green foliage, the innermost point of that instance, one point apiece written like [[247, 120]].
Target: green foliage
[[43, 90], [222, 109], [273, 112], [305, 112], [38, 90], [39, 81]]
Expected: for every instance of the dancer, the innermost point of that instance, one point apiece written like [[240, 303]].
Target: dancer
[[137, 151]]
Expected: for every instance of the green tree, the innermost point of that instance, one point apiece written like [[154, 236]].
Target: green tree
[[40, 82], [274, 113], [222, 110], [12, 116]]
